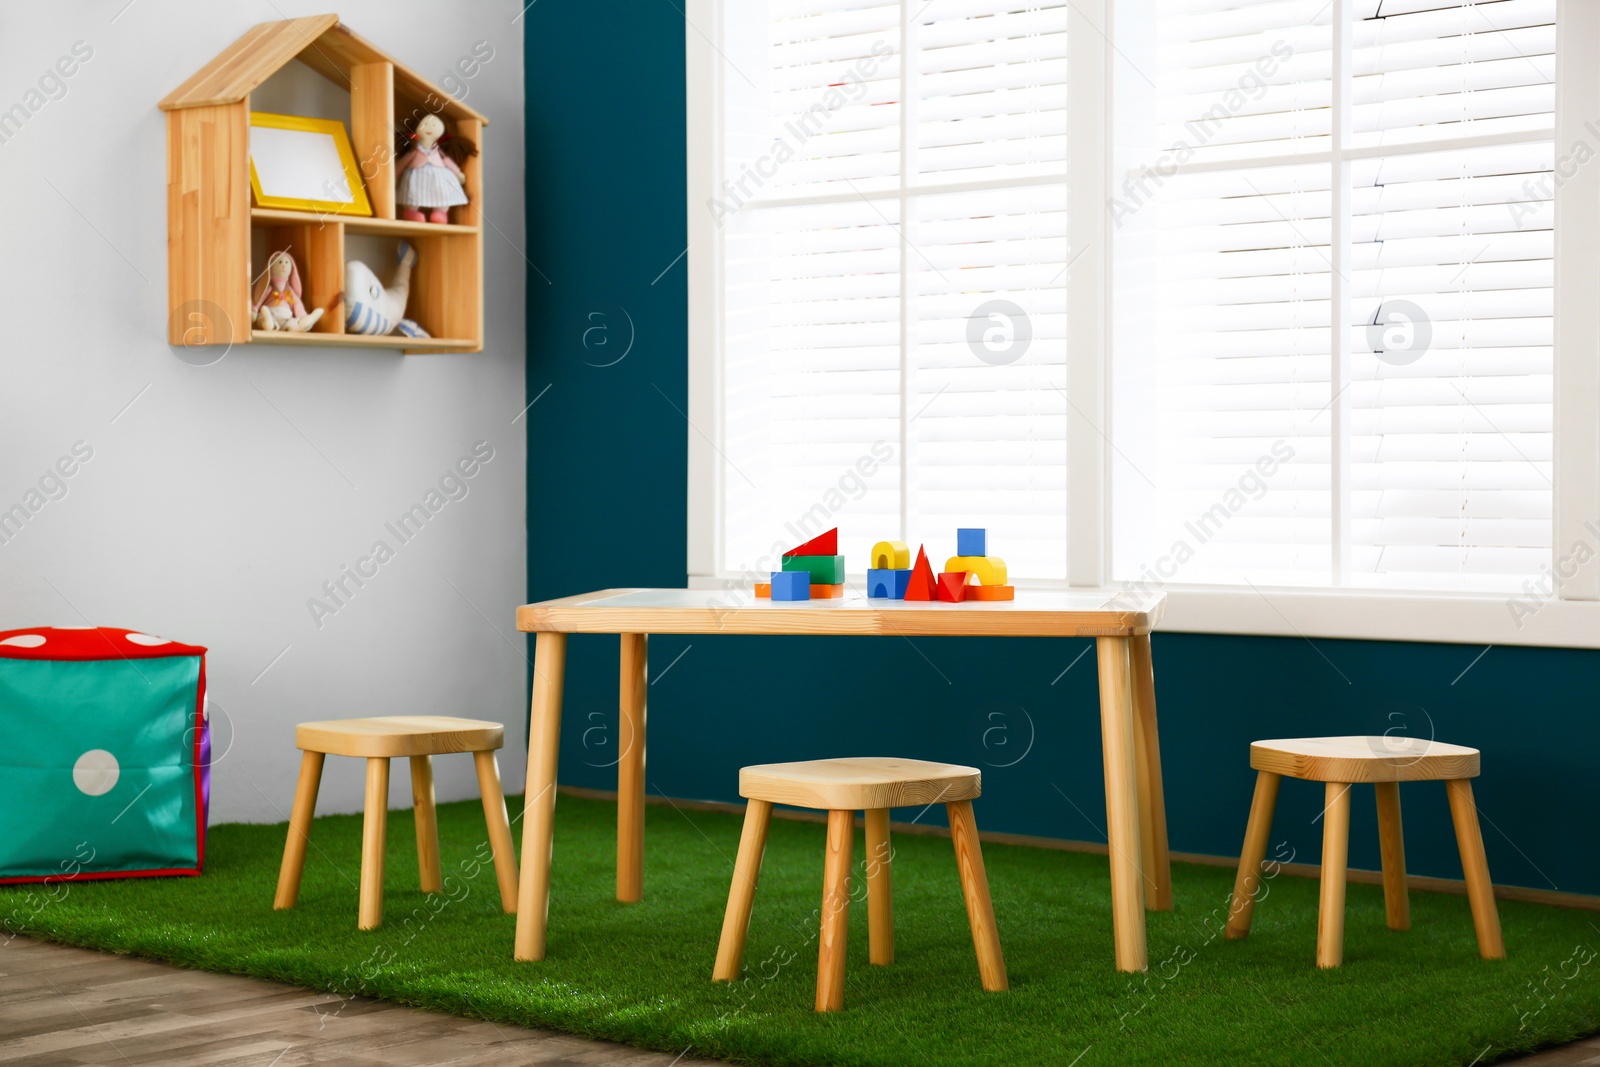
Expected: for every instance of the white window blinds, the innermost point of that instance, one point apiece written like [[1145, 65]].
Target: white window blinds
[[1276, 178], [893, 324]]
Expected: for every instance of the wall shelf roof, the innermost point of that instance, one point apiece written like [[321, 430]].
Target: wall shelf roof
[[322, 43]]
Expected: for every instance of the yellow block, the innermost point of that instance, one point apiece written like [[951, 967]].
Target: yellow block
[[988, 570], [891, 556]]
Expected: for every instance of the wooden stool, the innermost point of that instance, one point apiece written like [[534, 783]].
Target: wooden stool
[[842, 787], [1385, 762], [378, 740]]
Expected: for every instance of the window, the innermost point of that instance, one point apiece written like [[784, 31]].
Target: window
[[1395, 179], [1214, 296], [892, 221]]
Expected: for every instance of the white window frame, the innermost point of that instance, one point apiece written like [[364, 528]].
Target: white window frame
[[1567, 616]]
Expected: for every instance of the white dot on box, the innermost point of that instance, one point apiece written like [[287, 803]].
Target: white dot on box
[[96, 772], [147, 639], [24, 641]]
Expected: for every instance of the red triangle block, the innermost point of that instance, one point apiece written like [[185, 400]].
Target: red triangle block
[[826, 544], [953, 586], [922, 585]]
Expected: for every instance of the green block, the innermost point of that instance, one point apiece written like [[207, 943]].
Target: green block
[[825, 570]]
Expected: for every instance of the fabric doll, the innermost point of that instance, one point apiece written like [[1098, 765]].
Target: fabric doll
[[428, 172]]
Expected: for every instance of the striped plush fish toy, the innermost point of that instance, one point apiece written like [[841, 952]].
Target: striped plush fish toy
[[370, 308]]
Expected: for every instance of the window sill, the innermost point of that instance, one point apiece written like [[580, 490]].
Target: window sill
[[1366, 615]]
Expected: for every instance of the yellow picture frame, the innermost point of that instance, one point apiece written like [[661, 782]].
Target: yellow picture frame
[[300, 165]]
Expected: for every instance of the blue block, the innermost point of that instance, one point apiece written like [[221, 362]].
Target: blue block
[[972, 542], [887, 585], [791, 585]]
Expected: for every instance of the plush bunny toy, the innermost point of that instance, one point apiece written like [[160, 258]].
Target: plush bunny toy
[[277, 303]]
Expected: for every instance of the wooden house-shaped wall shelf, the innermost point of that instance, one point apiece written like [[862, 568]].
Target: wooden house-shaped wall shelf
[[210, 218]]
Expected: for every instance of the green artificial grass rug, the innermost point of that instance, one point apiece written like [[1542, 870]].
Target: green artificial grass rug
[[641, 973]]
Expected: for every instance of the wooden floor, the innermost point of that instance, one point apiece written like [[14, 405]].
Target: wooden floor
[[67, 1006], [64, 1006], [1585, 1053]]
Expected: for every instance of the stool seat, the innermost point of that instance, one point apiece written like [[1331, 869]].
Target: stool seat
[[860, 783], [1389, 758], [399, 735]]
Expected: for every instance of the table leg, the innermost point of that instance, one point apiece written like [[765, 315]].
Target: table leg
[[630, 769], [1122, 803], [1147, 761], [539, 800]]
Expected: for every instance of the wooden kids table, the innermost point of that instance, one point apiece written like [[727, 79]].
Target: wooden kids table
[[1135, 811]]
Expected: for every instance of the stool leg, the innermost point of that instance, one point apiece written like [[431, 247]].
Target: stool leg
[[294, 849], [1392, 842], [835, 910], [1256, 832], [1475, 865], [975, 887], [494, 814], [427, 824], [880, 906], [742, 893], [374, 831], [1335, 854]]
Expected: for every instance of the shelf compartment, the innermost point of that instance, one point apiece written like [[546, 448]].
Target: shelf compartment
[[447, 274], [318, 251]]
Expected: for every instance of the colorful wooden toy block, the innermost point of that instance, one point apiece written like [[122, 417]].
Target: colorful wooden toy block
[[791, 585], [824, 570], [888, 584], [972, 542], [921, 585], [953, 586], [991, 592], [818, 592], [826, 544], [987, 570], [891, 556]]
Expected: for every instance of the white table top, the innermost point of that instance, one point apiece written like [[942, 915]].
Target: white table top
[[739, 611]]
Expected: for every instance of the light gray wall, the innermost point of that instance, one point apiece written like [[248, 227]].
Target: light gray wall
[[219, 498]]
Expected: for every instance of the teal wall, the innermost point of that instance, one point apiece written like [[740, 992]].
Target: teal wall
[[607, 451]]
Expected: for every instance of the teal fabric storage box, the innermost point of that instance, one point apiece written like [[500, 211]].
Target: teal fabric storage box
[[104, 755]]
